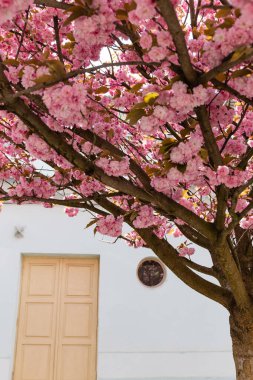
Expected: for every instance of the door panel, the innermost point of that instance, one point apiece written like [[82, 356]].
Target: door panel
[[37, 319], [75, 362], [78, 321], [57, 329]]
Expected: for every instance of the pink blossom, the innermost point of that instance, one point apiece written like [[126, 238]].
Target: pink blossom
[[157, 53], [38, 147], [9, 8], [67, 103], [247, 223], [90, 186], [110, 225], [241, 205], [145, 218], [145, 10], [164, 39], [35, 187], [146, 41], [149, 124], [186, 251], [185, 102], [71, 211], [222, 171], [134, 240], [113, 167], [187, 150]]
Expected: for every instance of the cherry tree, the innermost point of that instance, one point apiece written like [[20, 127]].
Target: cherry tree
[[141, 112]]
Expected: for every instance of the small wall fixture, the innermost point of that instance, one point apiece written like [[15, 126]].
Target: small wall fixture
[[19, 232]]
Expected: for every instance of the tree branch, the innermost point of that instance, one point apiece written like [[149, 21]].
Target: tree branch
[[231, 90], [231, 272], [74, 73], [169, 14], [104, 144], [226, 65], [57, 38], [210, 141], [53, 4], [194, 235], [199, 268]]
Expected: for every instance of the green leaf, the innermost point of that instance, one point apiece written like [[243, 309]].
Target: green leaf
[[152, 171], [241, 73], [136, 87], [56, 68], [11, 62], [240, 52], [224, 12], [228, 23], [121, 14], [130, 6], [140, 105], [133, 215], [227, 159], [44, 79], [184, 132], [91, 223], [76, 12], [167, 144], [182, 167], [135, 114], [203, 154], [209, 31], [102, 90]]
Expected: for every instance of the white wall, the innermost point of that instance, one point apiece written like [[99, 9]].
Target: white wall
[[164, 332]]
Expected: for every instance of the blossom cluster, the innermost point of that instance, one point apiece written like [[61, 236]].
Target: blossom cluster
[[92, 33], [10, 8], [67, 103], [36, 187], [109, 225], [225, 41], [146, 218], [113, 167], [173, 106]]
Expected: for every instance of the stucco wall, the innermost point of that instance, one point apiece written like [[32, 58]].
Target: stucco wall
[[165, 332]]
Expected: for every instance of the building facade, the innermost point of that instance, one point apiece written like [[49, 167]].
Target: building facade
[[162, 332]]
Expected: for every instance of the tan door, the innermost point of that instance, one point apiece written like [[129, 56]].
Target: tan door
[[57, 328]]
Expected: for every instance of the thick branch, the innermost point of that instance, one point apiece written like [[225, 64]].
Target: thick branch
[[194, 236], [222, 196], [199, 268], [210, 142], [170, 17], [231, 272]]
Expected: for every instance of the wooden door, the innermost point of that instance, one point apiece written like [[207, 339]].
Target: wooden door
[[57, 326]]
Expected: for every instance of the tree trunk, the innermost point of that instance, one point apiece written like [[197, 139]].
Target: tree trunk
[[241, 329]]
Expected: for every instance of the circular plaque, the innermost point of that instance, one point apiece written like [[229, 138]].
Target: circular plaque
[[151, 272]]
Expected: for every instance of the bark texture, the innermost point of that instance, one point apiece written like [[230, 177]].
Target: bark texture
[[241, 328]]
